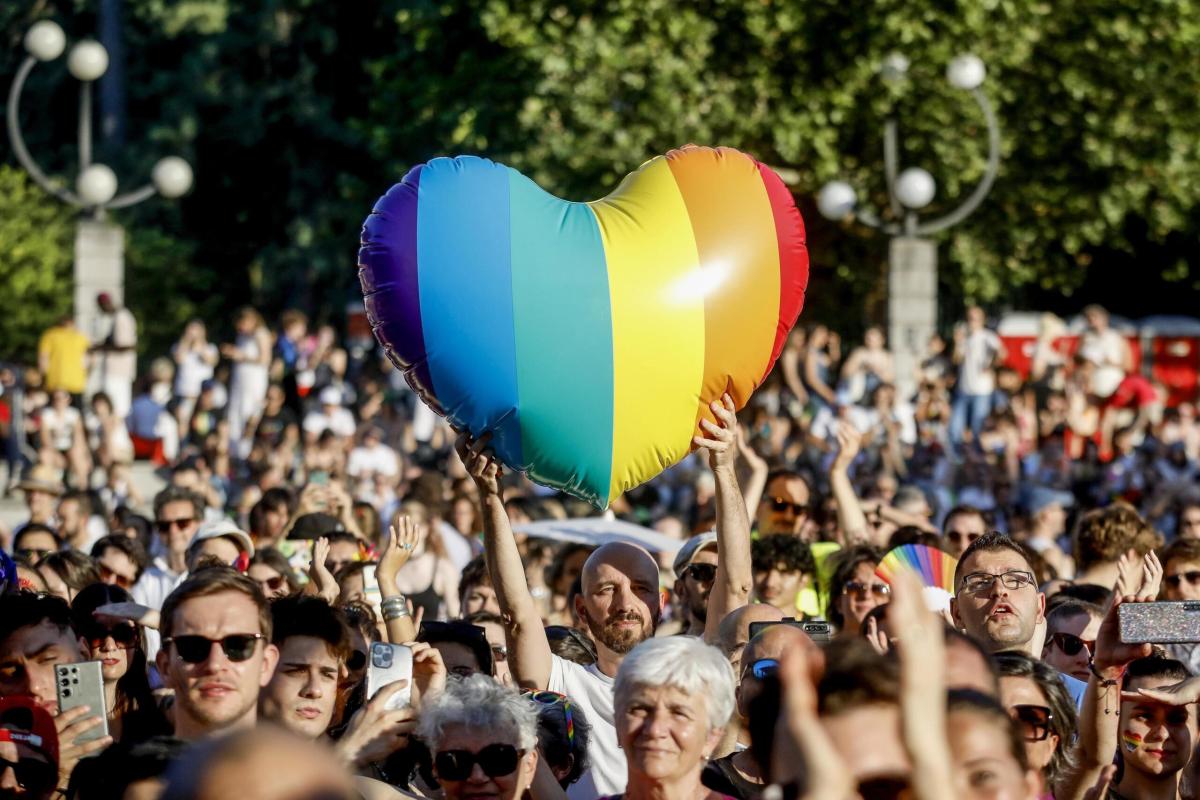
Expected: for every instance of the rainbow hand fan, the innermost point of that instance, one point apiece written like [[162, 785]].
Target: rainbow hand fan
[[933, 567]]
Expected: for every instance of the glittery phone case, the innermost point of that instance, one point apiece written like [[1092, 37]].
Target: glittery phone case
[[1159, 623]]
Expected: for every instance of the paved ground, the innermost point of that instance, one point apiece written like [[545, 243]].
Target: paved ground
[[12, 509]]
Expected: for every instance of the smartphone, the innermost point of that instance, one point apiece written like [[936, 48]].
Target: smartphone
[[82, 684], [818, 630], [389, 663], [1159, 623]]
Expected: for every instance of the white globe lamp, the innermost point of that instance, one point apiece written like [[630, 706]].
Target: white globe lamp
[[915, 188], [87, 60], [45, 41], [96, 185], [966, 72], [836, 200], [172, 177]]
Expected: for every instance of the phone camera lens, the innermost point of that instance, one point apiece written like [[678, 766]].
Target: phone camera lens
[[66, 692]]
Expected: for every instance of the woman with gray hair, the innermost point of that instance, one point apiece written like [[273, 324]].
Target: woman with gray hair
[[672, 699], [483, 738]]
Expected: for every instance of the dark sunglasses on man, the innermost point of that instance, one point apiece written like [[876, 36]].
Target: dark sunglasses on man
[[165, 525], [779, 505], [111, 576], [1192, 576], [196, 649], [34, 778], [701, 573], [1035, 721], [496, 761], [1070, 644]]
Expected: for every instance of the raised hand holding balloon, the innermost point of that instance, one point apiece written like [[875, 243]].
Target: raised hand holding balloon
[[587, 338]]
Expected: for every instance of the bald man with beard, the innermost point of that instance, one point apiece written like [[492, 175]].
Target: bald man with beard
[[620, 600]]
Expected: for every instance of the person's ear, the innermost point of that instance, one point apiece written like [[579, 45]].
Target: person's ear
[[1041, 615], [713, 740], [679, 587], [162, 660], [270, 659], [580, 608], [954, 613]]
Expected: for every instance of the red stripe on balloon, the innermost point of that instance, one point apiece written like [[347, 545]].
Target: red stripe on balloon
[[793, 259]]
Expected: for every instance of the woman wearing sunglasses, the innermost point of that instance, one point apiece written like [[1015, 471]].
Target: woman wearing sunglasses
[[854, 589], [483, 737], [133, 714], [269, 568], [1038, 701], [672, 699]]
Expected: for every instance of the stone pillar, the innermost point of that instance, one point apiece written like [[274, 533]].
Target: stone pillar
[[99, 267], [912, 305]]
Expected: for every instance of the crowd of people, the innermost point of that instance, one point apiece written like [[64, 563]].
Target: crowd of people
[[317, 522]]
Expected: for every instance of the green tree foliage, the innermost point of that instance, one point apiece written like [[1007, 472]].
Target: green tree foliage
[[35, 264], [299, 113]]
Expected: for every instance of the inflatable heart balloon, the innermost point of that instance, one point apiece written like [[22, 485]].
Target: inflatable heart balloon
[[588, 338]]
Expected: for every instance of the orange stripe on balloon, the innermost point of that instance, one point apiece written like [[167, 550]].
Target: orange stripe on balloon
[[793, 258], [738, 272]]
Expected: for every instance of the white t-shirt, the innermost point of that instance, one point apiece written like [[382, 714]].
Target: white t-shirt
[[341, 422], [123, 329], [193, 370], [1107, 351], [975, 376], [592, 690], [378, 460]]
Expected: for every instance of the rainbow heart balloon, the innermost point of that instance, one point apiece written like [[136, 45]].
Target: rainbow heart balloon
[[588, 338]]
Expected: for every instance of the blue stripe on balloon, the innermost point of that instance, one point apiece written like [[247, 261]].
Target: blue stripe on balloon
[[564, 340], [466, 298]]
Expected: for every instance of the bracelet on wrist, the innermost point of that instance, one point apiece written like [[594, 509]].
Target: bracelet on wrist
[[1104, 681], [393, 614]]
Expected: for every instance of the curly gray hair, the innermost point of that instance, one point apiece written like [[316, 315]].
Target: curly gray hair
[[479, 703]]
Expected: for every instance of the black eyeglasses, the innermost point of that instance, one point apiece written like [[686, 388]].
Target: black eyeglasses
[[165, 525], [701, 573], [799, 509], [983, 581], [195, 649], [1191, 576], [124, 634], [1035, 721], [764, 668], [32, 776], [1070, 644], [859, 588], [496, 761]]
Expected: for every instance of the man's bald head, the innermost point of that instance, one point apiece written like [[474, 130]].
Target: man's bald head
[[734, 631], [775, 641], [630, 559], [266, 763]]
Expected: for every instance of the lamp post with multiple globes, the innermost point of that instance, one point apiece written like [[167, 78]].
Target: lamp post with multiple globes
[[99, 243], [912, 257]]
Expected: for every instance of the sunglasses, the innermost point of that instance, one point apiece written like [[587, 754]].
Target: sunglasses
[[551, 699], [356, 661], [272, 584], [1174, 581], [496, 761], [124, 635], [165, 525], [859, 588], [799, 509], [1070, 644], [34, 554], [32, 776], [1035, 721], [764, 668], [195, 649], [111, 576], [701, 573]]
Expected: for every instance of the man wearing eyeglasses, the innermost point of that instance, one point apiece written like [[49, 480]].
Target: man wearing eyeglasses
[[695, 567], [177, 516], [1181, 581], [786, 507], [1071, 629], [217, 653]]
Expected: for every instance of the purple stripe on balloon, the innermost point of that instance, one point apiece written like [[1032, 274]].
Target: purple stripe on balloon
[[387, 270]]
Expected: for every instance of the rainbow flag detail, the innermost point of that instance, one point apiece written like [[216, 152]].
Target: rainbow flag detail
[[935, 568], [1130, 740], [587, 338]]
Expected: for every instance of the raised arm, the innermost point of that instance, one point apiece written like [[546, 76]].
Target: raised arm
[[733, 581], [528, 648], [398, 548], [851, 520]]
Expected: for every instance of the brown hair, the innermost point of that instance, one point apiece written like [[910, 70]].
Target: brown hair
[[209, 581], [1182, 549], [856, 676], [76, 569], [1105, 534], [989, 543]]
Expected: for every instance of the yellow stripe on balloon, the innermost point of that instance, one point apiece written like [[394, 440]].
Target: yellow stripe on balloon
[[657, 293], [735, 237]]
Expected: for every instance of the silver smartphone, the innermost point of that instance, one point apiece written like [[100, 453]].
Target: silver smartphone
[[1168, 622], [387, 664], [82, 684]]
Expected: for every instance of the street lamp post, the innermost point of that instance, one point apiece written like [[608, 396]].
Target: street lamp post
[[99, 243], [912, 257]]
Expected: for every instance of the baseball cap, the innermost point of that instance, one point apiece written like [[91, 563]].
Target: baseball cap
[[331, 396], [701, 541], [226, 528], [1041, 497]]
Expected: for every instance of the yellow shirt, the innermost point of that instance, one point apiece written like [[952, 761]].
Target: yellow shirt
[[65, 350]]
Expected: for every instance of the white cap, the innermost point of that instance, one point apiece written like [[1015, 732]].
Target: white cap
[[331, 396], [226, 528]]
